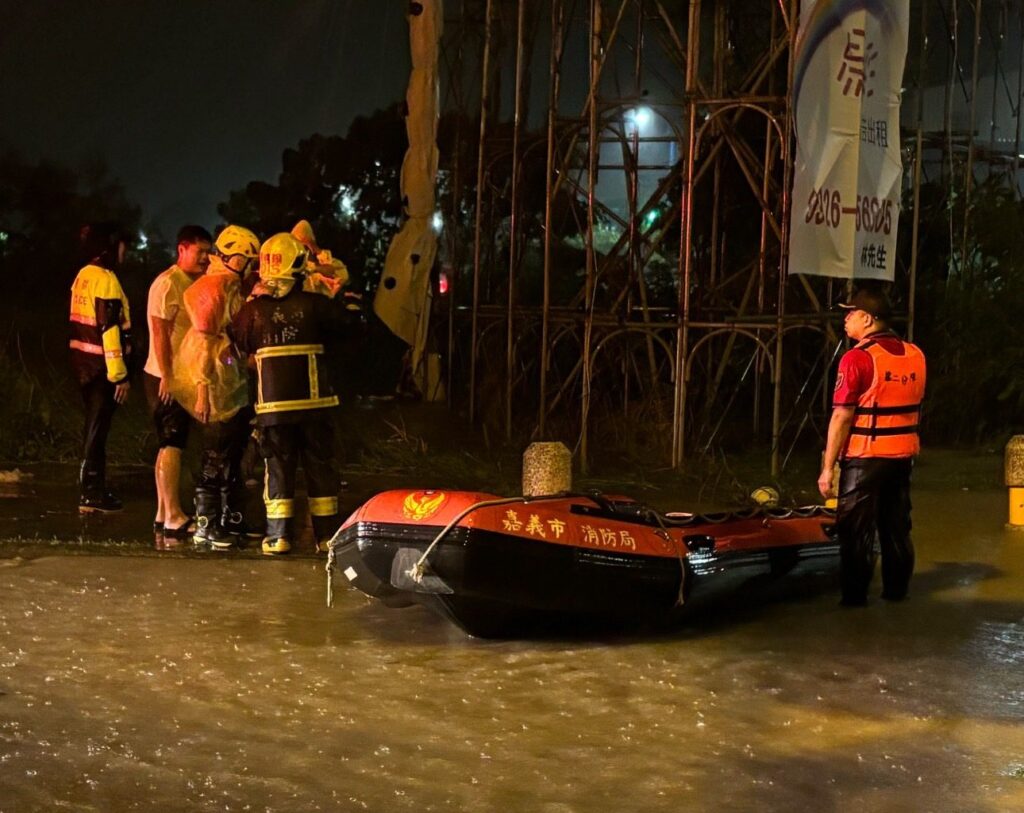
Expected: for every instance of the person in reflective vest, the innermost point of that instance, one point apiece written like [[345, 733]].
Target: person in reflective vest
[[283, 329], [100, 346], [873, 433]]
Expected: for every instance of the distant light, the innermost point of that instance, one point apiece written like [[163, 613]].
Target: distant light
[[3, 236], [143, 240], [640, 118], [442, 283], [437, 222], [346, 202]]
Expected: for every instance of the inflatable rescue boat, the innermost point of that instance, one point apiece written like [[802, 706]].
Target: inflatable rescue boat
[[500, 566]]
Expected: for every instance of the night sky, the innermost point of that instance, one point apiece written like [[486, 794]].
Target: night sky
[[186, 100]]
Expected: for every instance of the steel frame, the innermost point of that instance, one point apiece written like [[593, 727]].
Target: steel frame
[[707, 109]]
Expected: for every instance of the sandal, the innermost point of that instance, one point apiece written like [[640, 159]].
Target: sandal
[[182, 532]]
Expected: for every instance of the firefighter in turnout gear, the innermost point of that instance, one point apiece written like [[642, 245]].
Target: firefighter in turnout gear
[[283, 328], [215, 388], [873, 433], [100, 350]]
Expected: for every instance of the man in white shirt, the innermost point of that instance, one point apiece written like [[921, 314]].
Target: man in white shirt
[[168, 324]]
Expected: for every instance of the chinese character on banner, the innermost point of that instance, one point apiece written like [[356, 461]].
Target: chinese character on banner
[[535, 527], [512, 521], [856, 66], [557, 527], [590, 535], [882, 133]]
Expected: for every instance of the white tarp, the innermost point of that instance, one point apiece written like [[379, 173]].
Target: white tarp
[[403, 296], [848, 173]]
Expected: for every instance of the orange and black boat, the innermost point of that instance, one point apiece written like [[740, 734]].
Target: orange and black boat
[[498, 566]]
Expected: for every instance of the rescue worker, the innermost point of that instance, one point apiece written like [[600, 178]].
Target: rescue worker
[[873, 433], [100, 345], [324, 273], [213, 386], [168, 324], [283, 328]]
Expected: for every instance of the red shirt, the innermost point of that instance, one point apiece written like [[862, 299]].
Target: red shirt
[[856, 369]]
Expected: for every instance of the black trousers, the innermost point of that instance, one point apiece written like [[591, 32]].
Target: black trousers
[[219, 489], [310, 441], [98, 396], [874, 503]]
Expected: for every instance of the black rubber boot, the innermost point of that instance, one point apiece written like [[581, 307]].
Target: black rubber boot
[[208, 533], [94, 495]]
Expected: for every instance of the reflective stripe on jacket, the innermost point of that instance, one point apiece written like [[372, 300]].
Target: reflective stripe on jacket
[[100, 325], [288, 379], [885, 422]]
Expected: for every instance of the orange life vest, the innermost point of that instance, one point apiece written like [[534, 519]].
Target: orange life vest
[[886, 417]]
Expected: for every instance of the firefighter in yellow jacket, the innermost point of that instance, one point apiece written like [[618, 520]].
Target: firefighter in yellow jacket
[[283, 328], [100, 346]]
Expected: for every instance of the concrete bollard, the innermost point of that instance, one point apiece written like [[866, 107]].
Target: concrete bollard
[[1014, 477], [547, 469]]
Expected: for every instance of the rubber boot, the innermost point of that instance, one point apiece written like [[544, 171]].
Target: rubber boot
[[208, 530], [94, 496]]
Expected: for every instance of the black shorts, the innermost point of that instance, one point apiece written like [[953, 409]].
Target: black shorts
[[171, 421]]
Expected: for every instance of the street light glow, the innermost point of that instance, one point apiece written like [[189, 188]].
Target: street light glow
[[639, 117]]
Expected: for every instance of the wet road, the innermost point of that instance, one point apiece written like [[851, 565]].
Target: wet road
[[198, 683]]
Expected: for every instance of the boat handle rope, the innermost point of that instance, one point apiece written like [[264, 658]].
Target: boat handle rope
[[677, 548]]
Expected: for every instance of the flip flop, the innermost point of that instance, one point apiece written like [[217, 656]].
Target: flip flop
[[184, 531]]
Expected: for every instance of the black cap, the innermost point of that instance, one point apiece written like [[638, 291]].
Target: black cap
[[874, 303], [97, 242]]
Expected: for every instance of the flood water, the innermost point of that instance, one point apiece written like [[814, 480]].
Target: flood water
[[164, 682]]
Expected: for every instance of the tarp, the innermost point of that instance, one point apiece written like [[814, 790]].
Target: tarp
[[848, 174], [403, 296]]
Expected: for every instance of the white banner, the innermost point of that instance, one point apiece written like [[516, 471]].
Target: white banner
[[848, 174]]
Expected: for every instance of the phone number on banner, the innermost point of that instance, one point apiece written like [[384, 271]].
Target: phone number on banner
[[825, 208]]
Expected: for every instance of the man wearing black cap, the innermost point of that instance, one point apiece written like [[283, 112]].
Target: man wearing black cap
[[873, 434], [100, 344]]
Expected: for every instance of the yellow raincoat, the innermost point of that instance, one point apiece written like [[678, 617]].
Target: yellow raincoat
[[205, 355]]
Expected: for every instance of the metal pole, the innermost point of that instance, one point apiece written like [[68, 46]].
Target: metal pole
[[557, 41], [919, 157], [592, 162], [787, 192], [1020, 98], [969, 173], [686, 238], [479, 211], [513, 235], [455, 240]]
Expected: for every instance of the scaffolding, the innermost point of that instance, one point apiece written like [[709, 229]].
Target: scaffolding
[[616, 238]]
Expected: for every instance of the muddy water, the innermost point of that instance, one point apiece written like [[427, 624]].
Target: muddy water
[[172, 683]]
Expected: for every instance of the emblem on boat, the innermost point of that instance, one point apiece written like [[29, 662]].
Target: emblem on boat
[[421, 505]]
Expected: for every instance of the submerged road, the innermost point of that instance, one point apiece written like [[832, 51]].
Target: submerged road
[[156, 682]]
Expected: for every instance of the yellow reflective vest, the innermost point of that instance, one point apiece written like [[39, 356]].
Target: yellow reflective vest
[[100, 325]]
